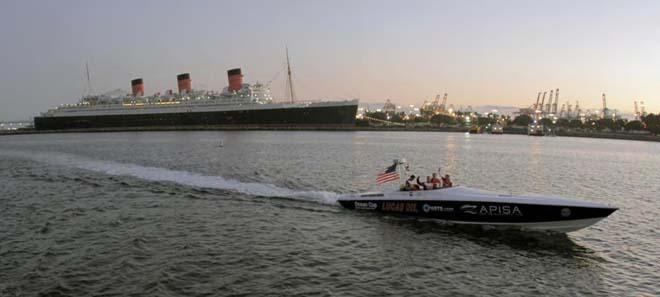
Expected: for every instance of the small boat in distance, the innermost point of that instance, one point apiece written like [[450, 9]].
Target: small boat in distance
[[475, 129], [535, 129], [463, 205], [496, 129]]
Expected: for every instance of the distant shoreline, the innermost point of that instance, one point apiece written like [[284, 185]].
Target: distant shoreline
[[583, 134], [238, 128], [609, 135]]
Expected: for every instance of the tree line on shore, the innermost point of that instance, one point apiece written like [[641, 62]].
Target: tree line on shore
[[649, 122]]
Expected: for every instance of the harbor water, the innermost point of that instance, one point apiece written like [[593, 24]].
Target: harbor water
[[255, 213]]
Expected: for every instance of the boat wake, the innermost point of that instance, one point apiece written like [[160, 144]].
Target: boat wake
[[175, 176]]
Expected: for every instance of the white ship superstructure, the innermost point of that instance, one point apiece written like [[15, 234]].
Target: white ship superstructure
[[238, 104]]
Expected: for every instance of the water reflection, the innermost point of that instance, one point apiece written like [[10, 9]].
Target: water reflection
[[482, 259], [450, 154], [542, 243]]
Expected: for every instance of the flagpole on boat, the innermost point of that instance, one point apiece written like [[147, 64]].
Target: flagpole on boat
[[403, 173]]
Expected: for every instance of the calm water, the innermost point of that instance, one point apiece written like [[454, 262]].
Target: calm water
[[172, 213]]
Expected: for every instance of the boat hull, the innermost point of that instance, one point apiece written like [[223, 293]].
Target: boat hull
[[331, 116], [499, 211], [552, 226]]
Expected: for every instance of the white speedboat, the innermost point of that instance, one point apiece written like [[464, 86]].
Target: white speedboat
[[462, 205]]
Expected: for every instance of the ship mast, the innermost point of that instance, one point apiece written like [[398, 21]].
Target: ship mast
[[292, 93], [89, 81]]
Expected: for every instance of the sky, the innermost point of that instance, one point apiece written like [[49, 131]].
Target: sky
[[479, 52]]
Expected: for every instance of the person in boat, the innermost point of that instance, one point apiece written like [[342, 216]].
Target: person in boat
[[410, 184], [423, 185], [446, 181], [436, 182]]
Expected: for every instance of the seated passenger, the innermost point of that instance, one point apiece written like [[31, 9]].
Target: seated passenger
[[436, 182], [446, 181], [410, 186], [422, 184]]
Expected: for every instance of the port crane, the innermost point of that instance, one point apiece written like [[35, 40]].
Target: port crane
[[436, 101], [542, 103], [536, 106], [443, 106], [554, 106], [604, 114]]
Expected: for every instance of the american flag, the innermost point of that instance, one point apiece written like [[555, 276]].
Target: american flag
[[388, 175]]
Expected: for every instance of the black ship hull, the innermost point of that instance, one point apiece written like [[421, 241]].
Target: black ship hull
[[334, 116]]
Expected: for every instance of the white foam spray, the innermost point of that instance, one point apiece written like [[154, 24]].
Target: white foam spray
[[175, 176]]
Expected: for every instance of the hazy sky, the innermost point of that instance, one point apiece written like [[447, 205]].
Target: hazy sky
[[480, 52]]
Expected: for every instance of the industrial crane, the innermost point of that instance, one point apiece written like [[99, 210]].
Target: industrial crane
[[604, 115], [543, 102], [443, 106], [554, 107], [536, 106], [547, 106]]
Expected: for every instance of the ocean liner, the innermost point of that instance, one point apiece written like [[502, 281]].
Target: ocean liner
[[238, 105]]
